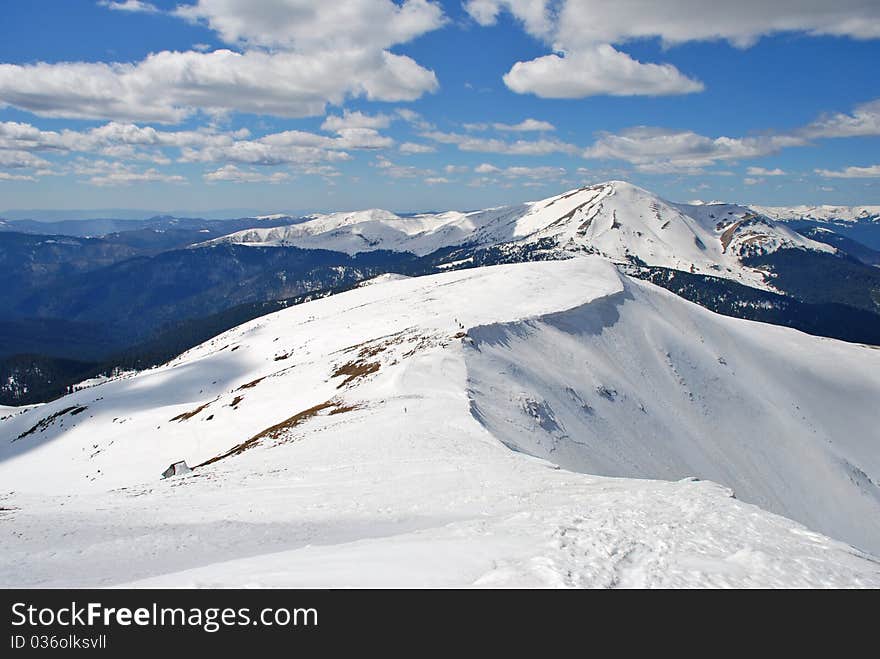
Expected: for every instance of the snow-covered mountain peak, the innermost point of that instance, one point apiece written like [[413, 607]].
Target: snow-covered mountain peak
[[630, 224], [615, 219]]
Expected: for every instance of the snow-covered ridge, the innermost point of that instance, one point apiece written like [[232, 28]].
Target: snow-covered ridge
[[345, 440], [616, 219], [822, 213], [382, 279], [273, 216]]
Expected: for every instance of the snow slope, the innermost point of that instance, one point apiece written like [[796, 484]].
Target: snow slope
[[355, 448], [615, 219], [644, 384]]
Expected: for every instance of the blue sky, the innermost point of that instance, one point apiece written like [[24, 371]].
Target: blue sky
[[284, 105]]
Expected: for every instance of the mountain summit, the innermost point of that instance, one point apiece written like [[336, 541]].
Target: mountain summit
[[616, 219]]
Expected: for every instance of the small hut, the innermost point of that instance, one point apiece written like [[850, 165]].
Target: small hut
[[176, 469]]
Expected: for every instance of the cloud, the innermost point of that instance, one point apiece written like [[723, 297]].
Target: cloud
[[413, 147], [326, 171], [107, 138], [306, 25], [597, 70], [753, 181], [393, 170], [232, 174], [760, 171], [296, 57], [21, 160], [133, 6], [356, 130], [519, 147], [553, 173], [534, 14], [437, 180], [581, 33], [335, 123], [258, 152], [658, 150], [106, 174], [525, 126], [572, 22], [872, 171], [289, 147], [864, 121], [167, 87], [414, 118], [538, 173], [6, 176], [145, 143]]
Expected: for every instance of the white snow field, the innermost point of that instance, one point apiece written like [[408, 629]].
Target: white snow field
[[365, 440], [615, 219]]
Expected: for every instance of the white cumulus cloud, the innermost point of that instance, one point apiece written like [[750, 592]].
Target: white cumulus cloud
[[133, 6], [660, 150], [594, 70], [761, 171], [232, 174], [863, 121], [872, 171], [582, 35], [525, 126], [410, 148], [292, 58], [489, 145]]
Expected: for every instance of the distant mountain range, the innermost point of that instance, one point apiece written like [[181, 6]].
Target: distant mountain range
[[861, 223], [97, 295], [54, 215], [98, 227], [822, 213]]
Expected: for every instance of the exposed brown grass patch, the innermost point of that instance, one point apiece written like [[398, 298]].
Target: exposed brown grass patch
[[570, 214], [252, 383], [189, 415], [44, 423], [566, 196], [727, 236], [354, 370], [371, 351], [582, 229], [236, 401], [342, 409], [373, 347], [280, 429]]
